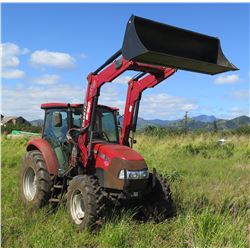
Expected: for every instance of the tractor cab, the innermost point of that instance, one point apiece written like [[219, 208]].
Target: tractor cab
[[60, 117]]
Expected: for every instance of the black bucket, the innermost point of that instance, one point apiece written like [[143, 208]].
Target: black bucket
[[155, 43]]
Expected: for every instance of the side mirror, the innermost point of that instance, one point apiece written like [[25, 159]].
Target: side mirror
[[57, 119]]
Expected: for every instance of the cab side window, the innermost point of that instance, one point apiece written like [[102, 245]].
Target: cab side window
[[77, 118], [52, 132]]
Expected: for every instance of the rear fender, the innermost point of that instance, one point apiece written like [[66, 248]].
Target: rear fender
[[47, 152]]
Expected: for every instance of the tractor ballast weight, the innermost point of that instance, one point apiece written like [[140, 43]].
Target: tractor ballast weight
[[151, 42]]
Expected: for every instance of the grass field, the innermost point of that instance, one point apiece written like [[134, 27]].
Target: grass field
[[210, 185]]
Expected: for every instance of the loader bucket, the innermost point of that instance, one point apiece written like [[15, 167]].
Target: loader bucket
[[155, 43]]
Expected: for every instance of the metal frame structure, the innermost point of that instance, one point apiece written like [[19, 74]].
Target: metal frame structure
[[151, 76]]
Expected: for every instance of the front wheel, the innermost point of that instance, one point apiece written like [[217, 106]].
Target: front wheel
[[158, 205], [85, 202]]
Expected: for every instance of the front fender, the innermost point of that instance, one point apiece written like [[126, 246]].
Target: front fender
[[47, 152]]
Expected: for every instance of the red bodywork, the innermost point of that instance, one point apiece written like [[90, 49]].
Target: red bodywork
[[59, 105], [48, 154], [155, 75], [104, 153]]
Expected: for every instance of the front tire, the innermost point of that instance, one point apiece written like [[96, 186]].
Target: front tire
[[158, 205], [34, 180], [85, 202]]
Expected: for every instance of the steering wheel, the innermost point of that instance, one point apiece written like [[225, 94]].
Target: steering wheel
[[104, 133]]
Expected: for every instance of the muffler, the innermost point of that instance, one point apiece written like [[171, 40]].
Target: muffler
[[155, 43]]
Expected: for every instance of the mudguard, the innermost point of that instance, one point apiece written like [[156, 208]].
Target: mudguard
[[47, 152]]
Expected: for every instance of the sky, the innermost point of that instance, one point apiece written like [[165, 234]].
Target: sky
[[48, 50]]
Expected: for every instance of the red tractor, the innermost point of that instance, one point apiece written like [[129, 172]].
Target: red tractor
[[83, 157]]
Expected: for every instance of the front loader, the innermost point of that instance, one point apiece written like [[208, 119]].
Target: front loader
[[83, 158]]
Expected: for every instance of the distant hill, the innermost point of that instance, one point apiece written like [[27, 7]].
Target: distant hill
[[204, 122], [205, 118], [38, 122], [234, 123], [154, 122]]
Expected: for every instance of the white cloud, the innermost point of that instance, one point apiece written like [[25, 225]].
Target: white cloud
[[26, 101], [9, 54], [46, 79], [83, 56], [52, 59], [25, 51], [236, 111], [164, 106], [227, 79], [122, 79], [109, 96], [10, 61], [12, 74], [240, 94]]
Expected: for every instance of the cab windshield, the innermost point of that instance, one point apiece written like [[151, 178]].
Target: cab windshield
[[106, 125]]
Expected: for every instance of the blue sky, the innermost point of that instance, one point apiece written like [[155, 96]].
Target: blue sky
[[48, 50]]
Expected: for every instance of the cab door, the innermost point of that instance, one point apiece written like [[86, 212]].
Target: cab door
[[55, 129]]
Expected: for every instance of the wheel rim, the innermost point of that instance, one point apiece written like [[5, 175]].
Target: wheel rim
[[30, 184], [77, 207]]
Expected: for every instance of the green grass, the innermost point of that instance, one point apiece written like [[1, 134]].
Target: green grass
[[210, 185]]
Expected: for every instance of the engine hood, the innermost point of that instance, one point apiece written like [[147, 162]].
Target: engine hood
[[111, 151], [111, 159]]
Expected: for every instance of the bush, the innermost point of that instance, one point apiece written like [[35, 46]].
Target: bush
[[23, 127], [163, 131], [173, 131], [243, 130], [208, 150]]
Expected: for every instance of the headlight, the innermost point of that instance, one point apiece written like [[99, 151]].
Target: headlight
[[133, 175]]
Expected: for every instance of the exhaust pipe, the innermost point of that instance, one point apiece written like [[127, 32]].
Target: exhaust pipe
[[147, 41]]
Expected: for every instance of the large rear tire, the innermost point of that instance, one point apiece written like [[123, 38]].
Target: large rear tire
[[158, 205], [34, 180], [85, 202]]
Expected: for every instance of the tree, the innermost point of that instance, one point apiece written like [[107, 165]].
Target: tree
[[215, 126]]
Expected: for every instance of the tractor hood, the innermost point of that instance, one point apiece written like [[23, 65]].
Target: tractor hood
[[111, 159], [111, 151]]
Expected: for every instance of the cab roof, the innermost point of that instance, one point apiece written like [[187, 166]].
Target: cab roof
[[59, 105], [65, 105]]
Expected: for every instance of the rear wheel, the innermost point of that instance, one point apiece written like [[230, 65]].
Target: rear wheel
[[159, 205], [34, 180], [85, 202]]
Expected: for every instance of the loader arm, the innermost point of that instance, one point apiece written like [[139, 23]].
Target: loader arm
[[156, 49], [135, 88], [109, 71]]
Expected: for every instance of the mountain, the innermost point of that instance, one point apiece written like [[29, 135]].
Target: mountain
[[205, 118], [174, 123], [233, 123], [154, 122], [202, 122], [38, 122]]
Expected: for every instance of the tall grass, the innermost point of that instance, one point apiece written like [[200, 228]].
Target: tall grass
[[210, 185]]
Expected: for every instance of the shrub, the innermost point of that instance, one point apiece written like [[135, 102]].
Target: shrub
[[28, 128]]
